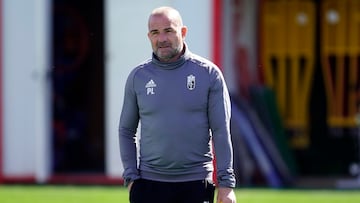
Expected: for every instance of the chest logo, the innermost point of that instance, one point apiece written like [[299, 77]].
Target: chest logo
[[150, 87], [191, 82]]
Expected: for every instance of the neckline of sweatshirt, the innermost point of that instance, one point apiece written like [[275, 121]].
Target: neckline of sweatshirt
[[171, 65]]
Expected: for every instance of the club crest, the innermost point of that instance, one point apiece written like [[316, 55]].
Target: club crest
[[191, 82]]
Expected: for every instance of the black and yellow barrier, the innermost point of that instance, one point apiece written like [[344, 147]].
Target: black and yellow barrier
[[288, 33], [340, 55]]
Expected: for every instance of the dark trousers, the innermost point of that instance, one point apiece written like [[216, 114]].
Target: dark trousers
[[147, 191]]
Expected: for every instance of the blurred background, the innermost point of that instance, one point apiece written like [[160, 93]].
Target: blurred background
[[292, 68]]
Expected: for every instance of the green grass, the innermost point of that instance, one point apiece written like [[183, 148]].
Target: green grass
[[109, 194]]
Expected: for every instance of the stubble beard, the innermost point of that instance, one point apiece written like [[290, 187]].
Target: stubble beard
[[167, 55]]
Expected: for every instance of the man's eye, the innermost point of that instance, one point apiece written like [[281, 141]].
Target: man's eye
[[154, 32]]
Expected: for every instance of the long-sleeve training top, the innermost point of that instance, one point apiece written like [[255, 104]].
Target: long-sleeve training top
[[181, 106]]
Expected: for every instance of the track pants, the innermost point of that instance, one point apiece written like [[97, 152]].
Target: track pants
[[147, 191]]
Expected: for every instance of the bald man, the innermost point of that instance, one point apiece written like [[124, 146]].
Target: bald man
[[182, 103]]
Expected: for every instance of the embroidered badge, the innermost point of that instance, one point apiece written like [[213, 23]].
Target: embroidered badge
[[191, 82]]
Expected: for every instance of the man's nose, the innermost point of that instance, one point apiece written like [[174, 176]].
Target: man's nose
[[162, 37]]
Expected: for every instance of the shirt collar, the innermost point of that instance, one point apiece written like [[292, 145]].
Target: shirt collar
[[174, 64]]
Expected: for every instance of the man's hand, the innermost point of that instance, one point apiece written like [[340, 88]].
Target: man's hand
[[130, 185], [226, 195]]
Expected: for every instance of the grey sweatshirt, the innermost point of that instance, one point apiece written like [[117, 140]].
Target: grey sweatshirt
[[184, 111]]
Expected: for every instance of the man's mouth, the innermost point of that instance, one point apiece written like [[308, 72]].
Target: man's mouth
[[163, 45]]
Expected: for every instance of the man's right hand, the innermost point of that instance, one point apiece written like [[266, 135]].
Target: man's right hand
[[130, 185]]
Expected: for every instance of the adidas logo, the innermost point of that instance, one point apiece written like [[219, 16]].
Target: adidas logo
[[150, 87], [150, 84]]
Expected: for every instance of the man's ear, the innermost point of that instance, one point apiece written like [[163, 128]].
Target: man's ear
[[183, 31]]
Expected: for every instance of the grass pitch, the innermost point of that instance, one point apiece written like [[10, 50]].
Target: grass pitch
[[113, 194]]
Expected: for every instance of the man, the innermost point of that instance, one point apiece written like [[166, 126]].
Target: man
[[183, 106]]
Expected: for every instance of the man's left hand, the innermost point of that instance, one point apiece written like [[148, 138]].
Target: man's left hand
[[226, 195]]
